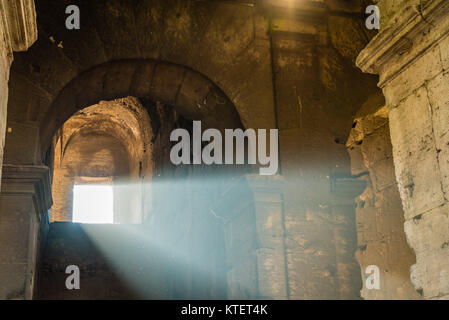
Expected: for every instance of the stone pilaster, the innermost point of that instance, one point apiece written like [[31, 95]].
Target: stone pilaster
[[18, 31], [411, 56], [344, 190], [24, 203], [252, 213]]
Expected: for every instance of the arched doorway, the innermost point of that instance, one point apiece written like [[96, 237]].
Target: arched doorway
[[125, 142], [105, 149]]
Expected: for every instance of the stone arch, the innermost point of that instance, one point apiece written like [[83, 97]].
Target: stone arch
[[106, 143], [125, 119], [193, 95], [186, 33], [119, 162]]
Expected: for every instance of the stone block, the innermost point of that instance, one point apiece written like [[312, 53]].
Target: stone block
[[346, 35], [271, 273], [357, 164], [141, 83], [13, 234], [118, 80], [88, 89], [22, 144], [415, 155], [428, 236], [13, 281], [194, 93], [438, 90], [269, 224], [377, 146], [28, 100], [413, 77], [166, 82], [242, 281], [383, 175]]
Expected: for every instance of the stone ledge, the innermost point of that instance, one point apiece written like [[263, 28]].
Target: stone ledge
[[394, 48], [28, 180]]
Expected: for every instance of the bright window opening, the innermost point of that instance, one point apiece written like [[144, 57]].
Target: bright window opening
[[93, 204]]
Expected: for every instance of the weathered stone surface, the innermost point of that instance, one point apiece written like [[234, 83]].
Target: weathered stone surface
[[143, 76], [18, 31], [113, 80], [428, 236], [236, 64], [388, 9], [19, 22], [444, 51], [197, 35], [380, 218], [413, 79], [439, 101], [117, 132], [20, 149], [415, 155], [24, 202], [346, 35], [118, 80], [407, 81]]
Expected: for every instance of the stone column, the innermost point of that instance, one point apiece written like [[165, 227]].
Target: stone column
[[24, 203], [252, 213], [411, 55], [18, 31]]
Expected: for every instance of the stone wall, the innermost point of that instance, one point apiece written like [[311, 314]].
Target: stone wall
[[24, 222], [197, 35], [380, 218], [114, 263], [18, 31], [5, 62], [290, 67], [250, 211], [317, 93], [110, 140], [23, 215], [411, 58], [389, 8]]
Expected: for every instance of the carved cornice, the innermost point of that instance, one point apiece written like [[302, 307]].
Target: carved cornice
[[407, 37], [31, 181], [19, 19]]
